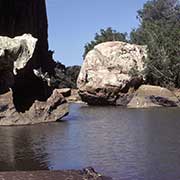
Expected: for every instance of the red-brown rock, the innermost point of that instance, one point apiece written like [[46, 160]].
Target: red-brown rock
[[53, 109]]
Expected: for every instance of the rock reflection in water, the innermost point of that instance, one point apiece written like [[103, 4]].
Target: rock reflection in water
[[23, 148]]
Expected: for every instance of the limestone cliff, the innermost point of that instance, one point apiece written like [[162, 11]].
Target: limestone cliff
[[28, 16]]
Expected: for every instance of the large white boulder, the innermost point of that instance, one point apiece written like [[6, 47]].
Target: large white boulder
[[107, 70]]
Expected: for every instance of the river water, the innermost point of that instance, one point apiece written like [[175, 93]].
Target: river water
[[128, 144]]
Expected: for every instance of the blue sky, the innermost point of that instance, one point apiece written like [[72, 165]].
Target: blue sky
[[73, 23]]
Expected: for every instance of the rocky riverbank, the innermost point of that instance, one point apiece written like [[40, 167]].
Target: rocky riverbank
[[28, 73], [87, 173], [20, 107], [111, 74], [53, 109]]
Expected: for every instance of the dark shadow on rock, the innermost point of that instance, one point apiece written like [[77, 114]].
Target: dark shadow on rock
[[25, 16], [28, 89]]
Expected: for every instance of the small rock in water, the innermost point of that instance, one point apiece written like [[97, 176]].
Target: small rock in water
[[153, 96]]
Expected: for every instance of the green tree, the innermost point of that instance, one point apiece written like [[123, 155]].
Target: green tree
[[160, 30], [105, 35]]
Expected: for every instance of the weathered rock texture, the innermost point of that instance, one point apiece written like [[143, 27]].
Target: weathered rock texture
[[107, 70], [17, 18], [14, 55], [86, 174], [74, 97], [52, 110], [66, 92], [153, 96]]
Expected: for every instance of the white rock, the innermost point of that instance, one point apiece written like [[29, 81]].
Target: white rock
[[20, 50], [109, 64]]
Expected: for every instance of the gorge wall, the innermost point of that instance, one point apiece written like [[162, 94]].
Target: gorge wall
[[28, 16]]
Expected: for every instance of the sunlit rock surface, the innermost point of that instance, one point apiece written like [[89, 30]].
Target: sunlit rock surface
[[53, 109], [17, 50], [14, 55], [153, 96], [107, 70]]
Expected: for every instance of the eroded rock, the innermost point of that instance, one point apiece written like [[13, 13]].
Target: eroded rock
[[153, 96], [14, 55], [66, 92], [25, 16], [17, 50], [75, 98], [107, 70], [16, 19], [53, 109], [85, 174]]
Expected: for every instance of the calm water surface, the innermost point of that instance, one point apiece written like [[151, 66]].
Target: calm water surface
[[126, 144]]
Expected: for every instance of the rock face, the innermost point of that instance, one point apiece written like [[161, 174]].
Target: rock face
[[107, 70], [26, 16], [66, 92], [14, 55], [153, 96], [74, 97], [52, 110], [17, 18], [31, 100], [85, 174]]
